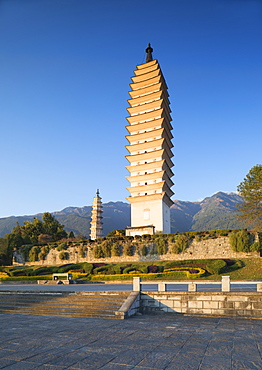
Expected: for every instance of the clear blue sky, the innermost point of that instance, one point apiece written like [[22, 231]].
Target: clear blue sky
[[65, 68]]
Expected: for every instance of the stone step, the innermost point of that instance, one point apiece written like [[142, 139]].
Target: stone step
[[60, 307], [72, 304], [57, 301], [66, 314]]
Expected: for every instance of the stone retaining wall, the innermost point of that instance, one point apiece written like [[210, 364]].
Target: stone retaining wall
[[211, 248], [244, 305]]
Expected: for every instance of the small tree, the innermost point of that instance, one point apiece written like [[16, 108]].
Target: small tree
[[143, 250], [240, 241], [98, 252], [63, 255], [128, 250], [182, 242], [43, 253], [106, 248], [161, 246], [115, 250], [33, 254], [250, 189]]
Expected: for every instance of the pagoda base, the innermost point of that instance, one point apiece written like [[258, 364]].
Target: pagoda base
[[140, 230]]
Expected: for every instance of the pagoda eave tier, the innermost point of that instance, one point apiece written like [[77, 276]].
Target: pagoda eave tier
[[146, 65], [150, 197], [147, 176], [147, 90], [147, 107], [149, 189], [160, 164], [149, 116], [155, 95], [150, 145], [150, 125], [157, 133], [150, 156]]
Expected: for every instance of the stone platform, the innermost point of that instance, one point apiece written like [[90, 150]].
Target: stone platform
[[145, 342]]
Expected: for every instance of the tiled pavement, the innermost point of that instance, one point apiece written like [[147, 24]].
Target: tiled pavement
[[143, 342]]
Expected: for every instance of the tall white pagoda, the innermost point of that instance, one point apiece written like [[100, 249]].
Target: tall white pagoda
[[96, 229], [149, 137]]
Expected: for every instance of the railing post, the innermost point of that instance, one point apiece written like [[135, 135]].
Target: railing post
[[162, 286], [259, 287], [136, 284], [225, 283], [192, 287]]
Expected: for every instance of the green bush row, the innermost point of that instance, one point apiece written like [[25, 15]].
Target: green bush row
[[30, 278]]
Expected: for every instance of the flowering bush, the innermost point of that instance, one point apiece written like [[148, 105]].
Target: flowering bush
[[3, 275]]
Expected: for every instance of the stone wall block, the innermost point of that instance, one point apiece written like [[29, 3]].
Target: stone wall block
[[242, 305], [195, 311], [195, 304], [257, 305], [225, 304], [207, 311], [210, 304], [235, 298], [166, 302], [218, 297], [153, 303], [203, 298], [177, 304], [160, 297]]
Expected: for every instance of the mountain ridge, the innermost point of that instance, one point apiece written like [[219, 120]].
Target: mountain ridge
[[213, 212]]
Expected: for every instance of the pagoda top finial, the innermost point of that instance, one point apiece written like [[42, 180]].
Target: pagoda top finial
[[149, 51], [97, 191]]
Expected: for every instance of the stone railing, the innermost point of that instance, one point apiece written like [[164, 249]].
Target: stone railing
[[192, 285]]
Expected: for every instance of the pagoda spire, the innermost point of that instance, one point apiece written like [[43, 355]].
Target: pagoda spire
[[149, 51]]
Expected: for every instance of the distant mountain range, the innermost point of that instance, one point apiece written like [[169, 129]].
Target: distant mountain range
[[212, 213]]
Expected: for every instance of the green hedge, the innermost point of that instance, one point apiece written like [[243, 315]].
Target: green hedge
[[30, 278], [216, 266]]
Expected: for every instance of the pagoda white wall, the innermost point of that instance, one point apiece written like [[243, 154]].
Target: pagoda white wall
[[154, 212], [166, 219]]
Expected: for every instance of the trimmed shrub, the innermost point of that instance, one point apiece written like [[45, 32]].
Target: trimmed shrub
[[161, 246], [87, 267], [62, 247], [216, 266], [255, 247], [143, 250], [43, 253], [128, 250], [82, 251], [98, 252], [240, 241], [115, 250], [63, 255], [33, 254], [106, 248], [127, 270]]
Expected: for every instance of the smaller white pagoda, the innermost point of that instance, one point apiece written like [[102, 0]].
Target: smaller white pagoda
[[96, 228]]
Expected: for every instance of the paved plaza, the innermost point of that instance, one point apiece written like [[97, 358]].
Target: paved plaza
[[142, 342]]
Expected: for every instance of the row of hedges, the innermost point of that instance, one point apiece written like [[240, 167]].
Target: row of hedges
[[151, 276], [98, 271]]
